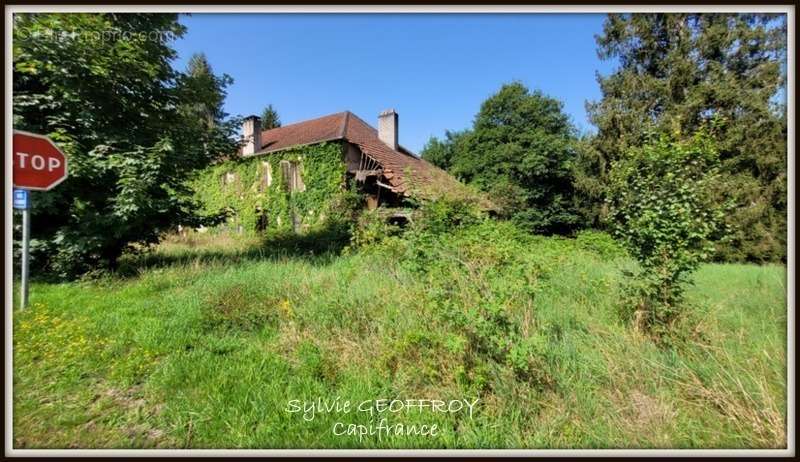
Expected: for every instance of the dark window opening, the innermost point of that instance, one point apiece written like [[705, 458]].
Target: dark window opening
[[373, 193], [262, 221], [398, 220]]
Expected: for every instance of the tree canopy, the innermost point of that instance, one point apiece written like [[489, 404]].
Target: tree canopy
[[520, 151], [270, 118], [134, 130], [676, 73]]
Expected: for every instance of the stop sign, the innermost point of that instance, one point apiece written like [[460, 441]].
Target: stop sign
[[38, 163]]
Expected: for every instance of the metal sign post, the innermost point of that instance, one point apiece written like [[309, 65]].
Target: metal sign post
[[22, 201], [38, 165], [26, 240]]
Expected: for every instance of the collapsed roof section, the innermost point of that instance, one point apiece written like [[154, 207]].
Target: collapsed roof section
[[405, 173]]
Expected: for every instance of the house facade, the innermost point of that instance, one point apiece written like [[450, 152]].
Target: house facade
[[304, 174]]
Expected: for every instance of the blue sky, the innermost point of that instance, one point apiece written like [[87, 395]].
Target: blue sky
[[434, 69]]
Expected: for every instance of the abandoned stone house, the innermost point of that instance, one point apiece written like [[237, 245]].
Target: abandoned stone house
[[292, 176]]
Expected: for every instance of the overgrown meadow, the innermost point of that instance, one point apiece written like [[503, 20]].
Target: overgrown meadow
[[203, 344]]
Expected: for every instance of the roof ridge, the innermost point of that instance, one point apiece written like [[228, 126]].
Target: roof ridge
[[401, 167], [343, 133], [307, 120], [364, 122]]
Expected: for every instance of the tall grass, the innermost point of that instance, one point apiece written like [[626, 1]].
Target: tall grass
[[204, 343]]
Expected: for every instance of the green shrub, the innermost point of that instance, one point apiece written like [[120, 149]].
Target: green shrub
[[443, 214], [430, 218], [600, 243], [480, 276], [528, 358], [663, 210], [372, 228]]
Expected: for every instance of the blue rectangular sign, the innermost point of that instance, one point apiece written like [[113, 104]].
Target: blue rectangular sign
[[21, 199]]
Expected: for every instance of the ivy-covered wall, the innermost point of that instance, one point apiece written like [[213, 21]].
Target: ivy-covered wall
[[240, 186]]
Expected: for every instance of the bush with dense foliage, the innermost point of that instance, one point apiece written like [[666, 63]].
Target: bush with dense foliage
[[601, 243], [472, 266], [663, 209]]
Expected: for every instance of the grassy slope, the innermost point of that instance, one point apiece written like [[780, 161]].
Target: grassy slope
[[196, 351]]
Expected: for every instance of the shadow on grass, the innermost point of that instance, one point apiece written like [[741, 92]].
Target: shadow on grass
[[318, 247]]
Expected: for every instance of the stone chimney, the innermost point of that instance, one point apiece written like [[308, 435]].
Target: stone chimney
[[387, 128], [251, 132]]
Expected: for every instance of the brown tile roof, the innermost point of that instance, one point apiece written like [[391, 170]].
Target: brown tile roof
[[330, 127], [405, 172]]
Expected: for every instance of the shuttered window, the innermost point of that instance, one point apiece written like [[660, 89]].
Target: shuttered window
[[297, 172], [291, 172], [266, 176], [286, 175], [228, 178]]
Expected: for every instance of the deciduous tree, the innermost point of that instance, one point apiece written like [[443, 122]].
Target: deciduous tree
[[520, 151], [103, 87]]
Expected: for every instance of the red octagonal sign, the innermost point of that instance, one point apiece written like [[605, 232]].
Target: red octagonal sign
[[38, 163]]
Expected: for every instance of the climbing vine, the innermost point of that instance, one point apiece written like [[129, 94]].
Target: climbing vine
[[254, 193]]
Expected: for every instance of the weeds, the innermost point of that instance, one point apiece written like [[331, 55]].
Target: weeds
[[205, 341]]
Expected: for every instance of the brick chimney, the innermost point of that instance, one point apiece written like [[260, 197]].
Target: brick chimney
[[251, 132], [387, 128]]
